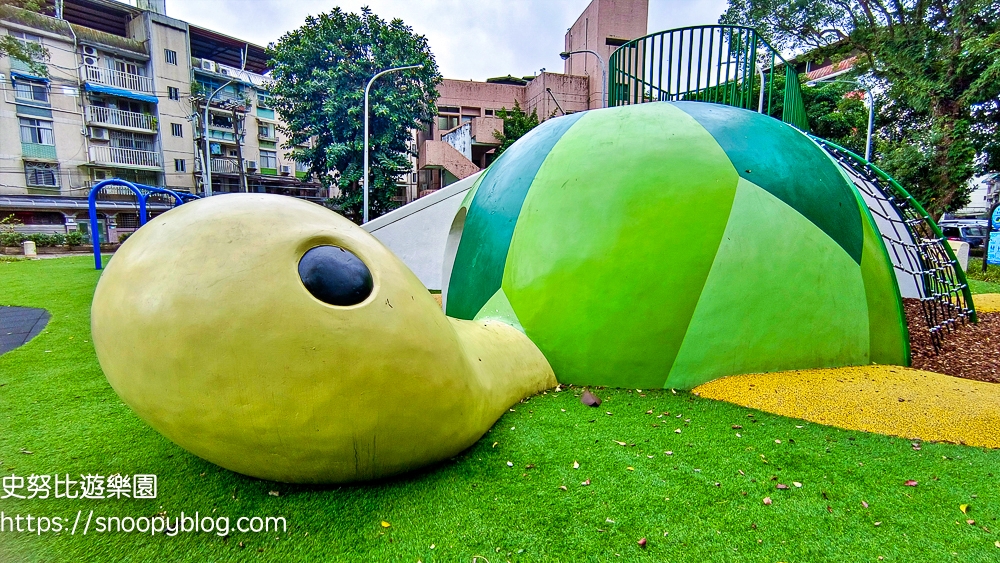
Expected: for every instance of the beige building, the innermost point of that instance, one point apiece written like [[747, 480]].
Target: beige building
[[124, 97], [461, 141]]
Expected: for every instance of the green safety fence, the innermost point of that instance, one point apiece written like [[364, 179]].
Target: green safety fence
[[723, 64]]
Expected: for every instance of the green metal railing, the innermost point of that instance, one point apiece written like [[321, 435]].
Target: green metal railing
[[721, 64]]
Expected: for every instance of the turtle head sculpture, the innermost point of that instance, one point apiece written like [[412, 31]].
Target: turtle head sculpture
[[277, 339]]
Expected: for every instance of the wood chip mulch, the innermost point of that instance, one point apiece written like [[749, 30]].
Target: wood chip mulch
[[971, 351]]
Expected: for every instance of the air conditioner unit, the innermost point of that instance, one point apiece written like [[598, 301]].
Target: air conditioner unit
[[90, 61], [99, 133], [251, 165], [286, 170], [88, 50], [208, 65], [224, 71]]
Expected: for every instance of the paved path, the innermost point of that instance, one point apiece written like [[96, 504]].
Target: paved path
[[19, 325], [889, 400]]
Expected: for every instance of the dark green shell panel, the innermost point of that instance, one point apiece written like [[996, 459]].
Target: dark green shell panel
[[777, 157], [482, 252]]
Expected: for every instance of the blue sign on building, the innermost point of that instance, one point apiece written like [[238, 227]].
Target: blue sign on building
[[993, 252]]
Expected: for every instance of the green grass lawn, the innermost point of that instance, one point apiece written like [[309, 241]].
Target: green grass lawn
[[702, 503], [980, 281]]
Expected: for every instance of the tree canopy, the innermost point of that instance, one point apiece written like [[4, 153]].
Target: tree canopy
[[320, 71], [516, 123], [935, 68]]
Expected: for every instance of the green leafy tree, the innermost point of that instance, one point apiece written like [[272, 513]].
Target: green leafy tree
[[320, 71], [936, 66], [516, 123]]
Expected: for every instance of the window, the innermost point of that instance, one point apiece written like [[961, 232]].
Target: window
[[31, 90], [264, 130], [170, 56], [41, 174], [36, 131], [177, 129], [173, 93], [447, 109], [268, 159], [220, 121], [489, 112], [263, 100], [25, 38], [180, 165], [446, 122], [123, 140], [129, 67], [127, 220]]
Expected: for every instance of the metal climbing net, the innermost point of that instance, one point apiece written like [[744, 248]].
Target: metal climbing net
[[916, 245]]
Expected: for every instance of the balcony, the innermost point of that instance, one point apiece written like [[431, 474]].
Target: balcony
[[117, 79], [220, 165], [129, 158], [120, 119]]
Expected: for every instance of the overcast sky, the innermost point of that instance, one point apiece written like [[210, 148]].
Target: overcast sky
[[471, 39]]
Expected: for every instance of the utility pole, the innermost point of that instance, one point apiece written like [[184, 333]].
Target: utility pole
[[237, 125]]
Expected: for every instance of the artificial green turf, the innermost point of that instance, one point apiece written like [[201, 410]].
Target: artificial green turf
[[55, 403]]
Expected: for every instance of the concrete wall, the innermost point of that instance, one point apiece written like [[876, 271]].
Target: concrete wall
[[167, 33], [417, 233], [600, 21], [571, 92]]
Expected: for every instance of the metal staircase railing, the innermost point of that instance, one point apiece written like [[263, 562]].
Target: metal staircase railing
[[724, 64], [917, 248]]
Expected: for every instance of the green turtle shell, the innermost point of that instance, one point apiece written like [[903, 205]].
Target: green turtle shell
[[668, 244]]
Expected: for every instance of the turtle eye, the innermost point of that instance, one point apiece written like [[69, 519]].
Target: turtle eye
[[335, 275]]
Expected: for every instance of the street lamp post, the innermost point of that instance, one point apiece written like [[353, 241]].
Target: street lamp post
[[871, 110], [604, 71], [364, 179]]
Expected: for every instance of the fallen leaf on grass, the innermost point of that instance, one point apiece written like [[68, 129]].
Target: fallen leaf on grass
[[510, 464], [630, 468], [585, 483], [563, 487], [590, 399], [864, 504], [970, 522], [781, 486], [736, 427], [274, 493], [619, 443], [797, 484], [830, 510], [385, 524], [642, 542], [767, 501], [964, 508], [878, 523], [576, 464], [678, 431], [668, 452], [910, 483]]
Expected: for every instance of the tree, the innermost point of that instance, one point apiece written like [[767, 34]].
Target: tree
[[936, 66], [516, 124], [32, 54], [320, 71]]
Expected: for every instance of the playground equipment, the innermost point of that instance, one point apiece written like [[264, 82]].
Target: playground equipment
[[733, 65], [644, 245], [250, 364], [142, 194]]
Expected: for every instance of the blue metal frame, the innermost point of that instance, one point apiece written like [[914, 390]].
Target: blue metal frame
[[142, 193]]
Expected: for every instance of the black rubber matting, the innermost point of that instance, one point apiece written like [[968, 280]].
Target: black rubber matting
[[19, 325]]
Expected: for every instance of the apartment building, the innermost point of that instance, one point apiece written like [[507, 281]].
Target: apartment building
[[125, 96], [461, 141]]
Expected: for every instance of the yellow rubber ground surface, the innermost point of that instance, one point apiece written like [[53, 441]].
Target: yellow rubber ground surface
[[987, 302], [890, 400]]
